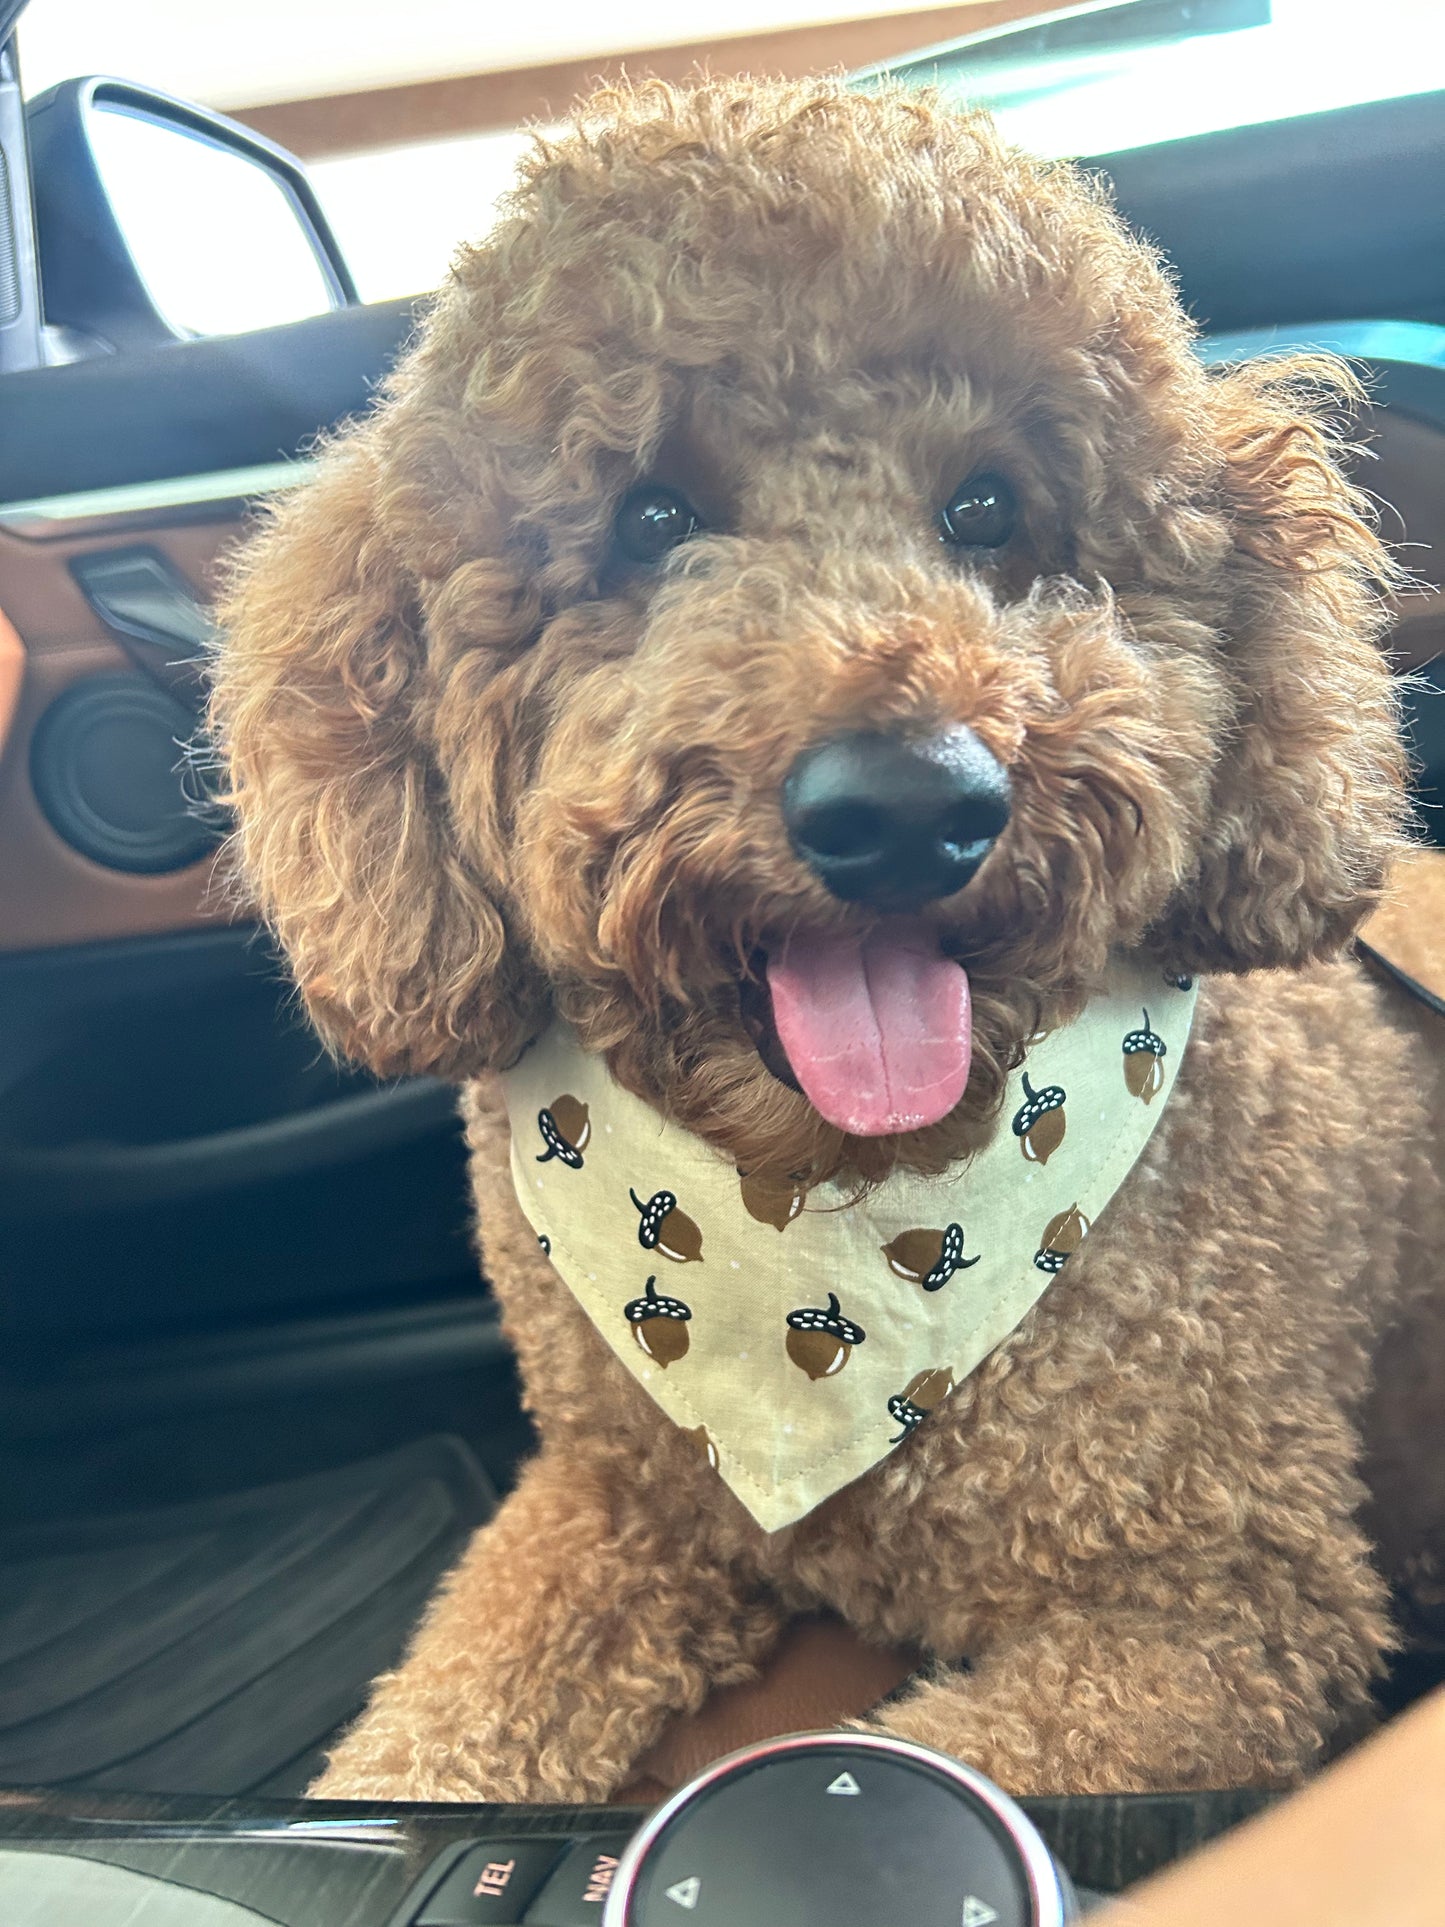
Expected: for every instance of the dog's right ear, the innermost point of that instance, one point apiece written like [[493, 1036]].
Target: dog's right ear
[[1309, 799], [345, 839]]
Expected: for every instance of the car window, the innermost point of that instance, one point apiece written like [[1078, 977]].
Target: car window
[[1089, 79], [1292, 57], [400, 208]]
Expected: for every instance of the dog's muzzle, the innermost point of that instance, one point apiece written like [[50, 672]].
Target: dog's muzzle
[[893, 823]]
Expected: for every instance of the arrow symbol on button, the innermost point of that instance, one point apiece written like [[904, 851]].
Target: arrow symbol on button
[[845, 1783], [977, 1913], [685, 1893]]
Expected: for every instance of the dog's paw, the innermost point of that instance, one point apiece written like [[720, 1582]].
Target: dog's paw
[[347, 1783], [371, 1764], [1006, 1747], [448, 1779]]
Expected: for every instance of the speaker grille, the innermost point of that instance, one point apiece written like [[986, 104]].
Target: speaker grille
[[103, 766]]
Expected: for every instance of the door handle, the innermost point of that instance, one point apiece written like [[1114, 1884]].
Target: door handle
[[155, 613]]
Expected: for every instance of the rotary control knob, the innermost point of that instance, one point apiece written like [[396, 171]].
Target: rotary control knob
[[821, 1828]]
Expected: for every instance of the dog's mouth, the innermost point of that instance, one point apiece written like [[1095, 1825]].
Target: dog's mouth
[[875, 1030]]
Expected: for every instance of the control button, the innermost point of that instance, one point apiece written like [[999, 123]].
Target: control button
[[490, 1884], [828, 1834], [576, 1893]]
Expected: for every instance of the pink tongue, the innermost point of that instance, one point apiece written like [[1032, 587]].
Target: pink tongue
[[878, 1032]]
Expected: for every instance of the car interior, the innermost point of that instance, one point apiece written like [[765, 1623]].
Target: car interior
[[253, 1394]]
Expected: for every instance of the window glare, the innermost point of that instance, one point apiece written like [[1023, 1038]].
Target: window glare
[[1314, 55], [214, 236], [400, 213]]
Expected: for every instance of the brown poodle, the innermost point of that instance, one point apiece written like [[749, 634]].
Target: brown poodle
[[510, 692]]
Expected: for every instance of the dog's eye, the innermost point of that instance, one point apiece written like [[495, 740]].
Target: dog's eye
[[980, 513], [653, 520]]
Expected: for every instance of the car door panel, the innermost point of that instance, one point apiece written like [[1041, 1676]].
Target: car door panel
[[176, 1152], [49, 892], [205, 407], [175, 1148]]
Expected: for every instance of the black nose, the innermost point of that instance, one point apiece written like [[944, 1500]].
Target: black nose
[[892, 823]]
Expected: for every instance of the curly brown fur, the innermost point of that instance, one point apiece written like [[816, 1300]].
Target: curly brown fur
[[484, 772]]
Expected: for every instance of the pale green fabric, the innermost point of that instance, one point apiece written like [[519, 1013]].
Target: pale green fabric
[[799, 1339]]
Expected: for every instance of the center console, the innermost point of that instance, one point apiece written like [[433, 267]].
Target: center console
[[97, 1860]]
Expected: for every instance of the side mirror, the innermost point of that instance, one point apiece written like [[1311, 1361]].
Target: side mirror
[[159, 221]]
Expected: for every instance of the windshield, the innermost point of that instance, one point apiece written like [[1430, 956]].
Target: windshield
[[1159, 73]]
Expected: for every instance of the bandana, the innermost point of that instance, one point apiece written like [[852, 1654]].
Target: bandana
[[798, 1336]]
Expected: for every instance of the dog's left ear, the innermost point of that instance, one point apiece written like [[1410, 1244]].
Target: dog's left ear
[[326, 701], [1308, 801]]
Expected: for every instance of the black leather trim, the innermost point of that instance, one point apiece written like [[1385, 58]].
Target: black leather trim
[[193, 407], [1402, 977]]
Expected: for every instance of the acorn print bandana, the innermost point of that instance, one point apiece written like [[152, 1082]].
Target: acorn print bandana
[[798, 1337]]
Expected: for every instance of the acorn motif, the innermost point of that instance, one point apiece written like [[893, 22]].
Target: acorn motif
[[565, 1126], [1063, 1233], [917, 1399], [820, 1342], [1178, 980], [1039, 1124], [666, 1229], [928, 1258], [659, 1325], [772, 1199], [1144, 1052], [699, 1436]]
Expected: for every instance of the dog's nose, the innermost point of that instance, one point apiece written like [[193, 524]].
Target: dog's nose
[[892, 823]]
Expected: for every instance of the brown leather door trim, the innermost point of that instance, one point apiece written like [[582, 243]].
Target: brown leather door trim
[[50, 895]]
